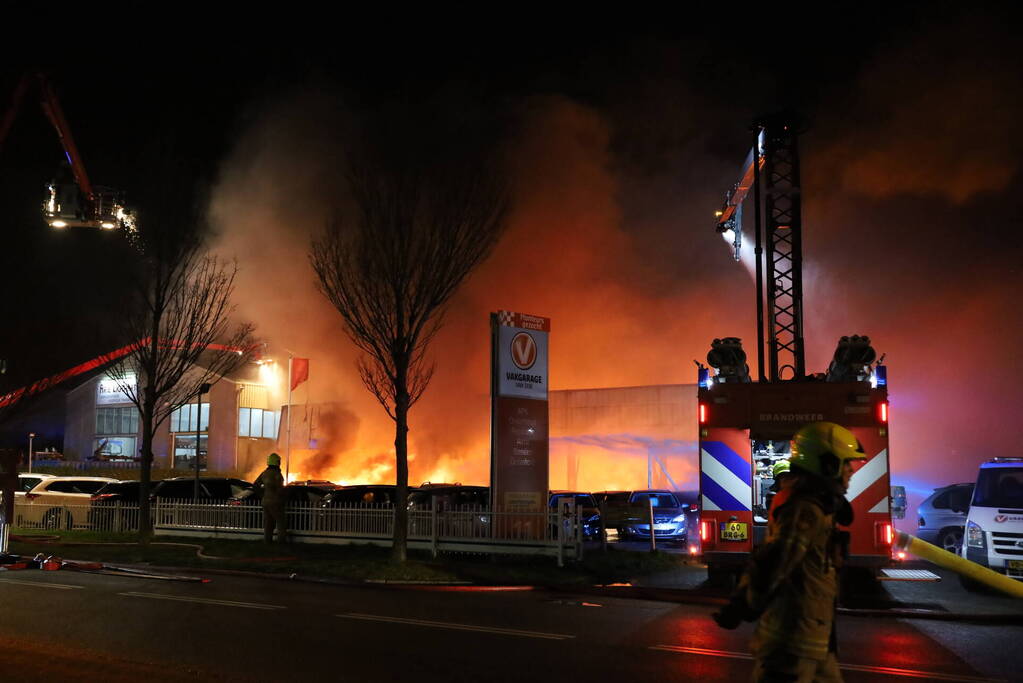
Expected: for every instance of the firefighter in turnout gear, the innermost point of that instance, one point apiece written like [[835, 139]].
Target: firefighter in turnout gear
[[781, 489], [791, 584], [271, 482]]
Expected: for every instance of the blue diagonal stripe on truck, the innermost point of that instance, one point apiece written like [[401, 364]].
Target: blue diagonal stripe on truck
[[730, 459], [723, 499]]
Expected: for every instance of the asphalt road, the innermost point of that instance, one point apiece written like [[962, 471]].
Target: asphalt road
[[76, 627]]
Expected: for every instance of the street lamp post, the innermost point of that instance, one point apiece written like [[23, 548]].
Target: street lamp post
[[31, 436]]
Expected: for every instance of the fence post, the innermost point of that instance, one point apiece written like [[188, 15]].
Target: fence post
[[603, 527], [653, 536], [433, 525], [580, 538], [561, 534]]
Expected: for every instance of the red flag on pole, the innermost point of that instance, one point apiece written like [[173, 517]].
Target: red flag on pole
[[299, 371]]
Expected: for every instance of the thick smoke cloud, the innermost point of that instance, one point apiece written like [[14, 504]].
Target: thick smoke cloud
[[910, 237], [935, 116]]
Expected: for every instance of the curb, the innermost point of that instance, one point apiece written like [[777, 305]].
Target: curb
[[276, 576]]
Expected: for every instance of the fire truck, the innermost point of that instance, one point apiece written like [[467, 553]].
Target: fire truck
[[745, 425]]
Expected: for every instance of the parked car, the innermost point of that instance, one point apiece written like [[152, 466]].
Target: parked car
[[589, 512], [210, 489], [345, 509], [115, 506], [217, 490], [669, 516], [321, 483], [26, 482], [462, 511], [298, 494], [360, 495], [59, 502], [451, 497], [941, 517]]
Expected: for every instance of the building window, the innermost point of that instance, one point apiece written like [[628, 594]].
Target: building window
[[257, 423], [183, 419], [114, 448], [184, 452], [117, 420]]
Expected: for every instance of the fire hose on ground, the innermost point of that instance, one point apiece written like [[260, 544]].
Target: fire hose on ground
[[960, 565], [52, 562]]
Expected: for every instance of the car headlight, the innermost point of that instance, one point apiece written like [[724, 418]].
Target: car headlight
[[975, 536], [679, 518]]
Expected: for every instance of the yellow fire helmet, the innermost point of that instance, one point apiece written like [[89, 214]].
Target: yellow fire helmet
[[781, 467], [274, 460], [823, 447]]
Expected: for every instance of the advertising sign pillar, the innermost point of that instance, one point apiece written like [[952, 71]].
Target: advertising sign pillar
[[8, 482], [519, 456]]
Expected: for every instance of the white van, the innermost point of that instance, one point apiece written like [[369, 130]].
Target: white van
[[994, 524]]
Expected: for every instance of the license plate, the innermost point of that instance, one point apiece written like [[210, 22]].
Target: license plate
[[734, 531], [1014, 564]]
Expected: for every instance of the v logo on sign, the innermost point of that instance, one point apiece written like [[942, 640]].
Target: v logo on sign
[[523, 351]]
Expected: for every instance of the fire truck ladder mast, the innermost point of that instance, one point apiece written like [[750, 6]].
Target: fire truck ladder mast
[[771, 172], [784, 233]]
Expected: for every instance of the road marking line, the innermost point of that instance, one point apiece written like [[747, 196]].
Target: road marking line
[[912, 673], [458, 627], [886, 670], [702, 651], [61, 586], [203, 601]]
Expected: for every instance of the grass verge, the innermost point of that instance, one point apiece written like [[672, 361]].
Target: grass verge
[[351, 562]]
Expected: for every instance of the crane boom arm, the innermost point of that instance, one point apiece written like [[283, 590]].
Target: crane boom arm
[[736, 195], [55, 114], [52, 109]]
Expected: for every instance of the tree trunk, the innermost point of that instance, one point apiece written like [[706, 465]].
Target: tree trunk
[[400, 547], [146, 474]]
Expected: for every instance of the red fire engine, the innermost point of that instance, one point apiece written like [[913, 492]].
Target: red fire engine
[[745, 426]]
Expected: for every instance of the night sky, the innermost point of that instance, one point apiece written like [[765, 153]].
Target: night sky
[[910, 169]]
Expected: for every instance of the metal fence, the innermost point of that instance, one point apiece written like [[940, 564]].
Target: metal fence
[[84, 516], [556, 533]]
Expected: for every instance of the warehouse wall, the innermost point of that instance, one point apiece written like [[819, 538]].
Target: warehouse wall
[[621, 438]]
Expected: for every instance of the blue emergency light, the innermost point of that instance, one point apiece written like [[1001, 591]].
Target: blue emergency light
[[880, 377]]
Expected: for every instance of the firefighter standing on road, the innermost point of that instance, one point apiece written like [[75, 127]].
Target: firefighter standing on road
[[271, 481], [791, 585]]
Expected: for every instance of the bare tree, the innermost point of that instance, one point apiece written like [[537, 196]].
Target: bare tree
[[415, 229], [182, 337]]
